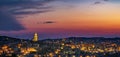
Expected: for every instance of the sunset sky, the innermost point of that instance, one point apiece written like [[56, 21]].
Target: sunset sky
[[60, 18]]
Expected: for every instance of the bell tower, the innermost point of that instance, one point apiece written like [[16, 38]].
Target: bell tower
[[35, 38]]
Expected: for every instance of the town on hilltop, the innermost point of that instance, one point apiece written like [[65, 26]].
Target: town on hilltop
[[64, 47]]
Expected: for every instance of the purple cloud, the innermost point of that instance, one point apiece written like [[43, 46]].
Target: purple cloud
[[9, 8]]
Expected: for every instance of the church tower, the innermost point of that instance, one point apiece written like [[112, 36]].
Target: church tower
[[35, 38]]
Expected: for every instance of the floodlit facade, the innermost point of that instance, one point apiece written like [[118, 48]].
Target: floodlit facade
[[35, 38]]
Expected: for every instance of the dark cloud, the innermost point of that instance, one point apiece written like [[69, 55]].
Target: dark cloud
[[23, 2], [48, 22], [29, 12], [9, 23], [106, 0], [16, 6], [98, 2], [9, 8]]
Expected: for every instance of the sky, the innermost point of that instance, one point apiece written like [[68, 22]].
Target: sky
[[60, 18]]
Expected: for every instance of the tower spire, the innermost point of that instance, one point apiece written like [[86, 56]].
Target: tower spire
[[35, 38]]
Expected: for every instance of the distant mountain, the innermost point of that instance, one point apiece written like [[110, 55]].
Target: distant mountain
[[6, 40], [94, 38]]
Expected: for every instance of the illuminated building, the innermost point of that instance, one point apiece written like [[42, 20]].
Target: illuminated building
[[35, 38]]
